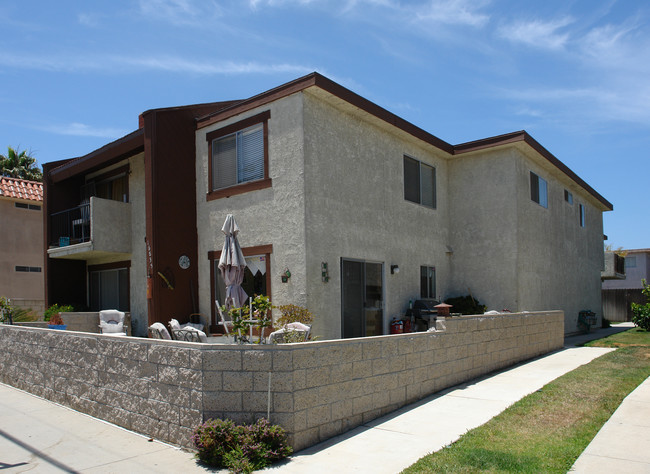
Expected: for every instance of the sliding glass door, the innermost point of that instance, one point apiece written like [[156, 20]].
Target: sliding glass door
[[362, 298]]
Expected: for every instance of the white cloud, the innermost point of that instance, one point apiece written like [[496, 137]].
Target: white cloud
[[87, 19], [111, 63], [83, 130], [453, 12], [538, 33], [181, 12]]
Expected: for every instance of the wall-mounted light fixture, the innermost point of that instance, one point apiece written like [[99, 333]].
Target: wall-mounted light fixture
[[285, 275], [394, 269], [325, 276]]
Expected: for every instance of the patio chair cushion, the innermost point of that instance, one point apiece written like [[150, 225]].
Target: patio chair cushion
[[197, 326], [174, 324], [180, 334], [163, 330], [111, 327]]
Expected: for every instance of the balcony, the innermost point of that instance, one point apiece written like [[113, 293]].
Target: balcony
[[614, 267], [98, 229]]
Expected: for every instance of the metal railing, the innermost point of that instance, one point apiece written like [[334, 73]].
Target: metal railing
[[71, 226]]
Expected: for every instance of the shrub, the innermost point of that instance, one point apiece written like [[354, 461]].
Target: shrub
[[14, 313], [222, 444], [56, 308], [466, 305], [641, 316], [292, 313]]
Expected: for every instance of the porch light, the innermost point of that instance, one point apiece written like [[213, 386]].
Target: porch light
[[285, 275], [394, 269]]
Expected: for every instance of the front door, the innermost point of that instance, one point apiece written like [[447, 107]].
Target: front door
[[362, 295]]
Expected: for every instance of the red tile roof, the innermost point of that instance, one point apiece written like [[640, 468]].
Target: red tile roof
[[21, 189]]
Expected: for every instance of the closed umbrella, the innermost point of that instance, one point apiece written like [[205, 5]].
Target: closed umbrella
[[232, 265]]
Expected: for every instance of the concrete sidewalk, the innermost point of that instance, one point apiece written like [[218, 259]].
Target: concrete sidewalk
[[40, 436]]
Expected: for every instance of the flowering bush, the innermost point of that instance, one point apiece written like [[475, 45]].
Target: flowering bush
[[222, 444]]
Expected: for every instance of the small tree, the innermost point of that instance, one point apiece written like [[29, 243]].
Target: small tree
[[641, 312]]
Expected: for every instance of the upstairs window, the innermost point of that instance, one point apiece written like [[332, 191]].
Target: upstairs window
[[538, 190], [239, 157], [582, 215], [630, 262], [419, 182], [568, 197], [427, 282]]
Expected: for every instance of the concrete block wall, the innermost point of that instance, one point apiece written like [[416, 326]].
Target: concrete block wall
[[318, 389], [135, 383]]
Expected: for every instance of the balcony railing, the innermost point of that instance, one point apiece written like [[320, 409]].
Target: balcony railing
[[71, 226]]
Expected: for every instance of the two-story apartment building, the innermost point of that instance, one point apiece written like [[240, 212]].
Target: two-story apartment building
[[365, 210], [21, 243]]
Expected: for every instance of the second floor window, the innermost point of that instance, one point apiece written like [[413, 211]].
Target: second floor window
[[419, 182], [238, 157], [538, 190]]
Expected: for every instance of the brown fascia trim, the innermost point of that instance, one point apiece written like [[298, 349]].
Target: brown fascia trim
[[523, 136], [122, 148], [317, 80], [219, 105]]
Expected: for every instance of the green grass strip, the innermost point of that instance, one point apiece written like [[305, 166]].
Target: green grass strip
[[547, 430]]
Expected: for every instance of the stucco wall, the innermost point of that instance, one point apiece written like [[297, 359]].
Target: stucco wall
[[269, 216], [355, 209], [484, 224], [21, 244], [138, 270], [514, 254], [559, 262], [318, 390]]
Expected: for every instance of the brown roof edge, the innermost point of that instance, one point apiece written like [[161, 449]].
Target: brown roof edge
[[322, 82], [535, 145], [122, 148]]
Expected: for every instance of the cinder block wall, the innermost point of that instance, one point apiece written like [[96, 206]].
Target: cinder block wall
[[320, 389]]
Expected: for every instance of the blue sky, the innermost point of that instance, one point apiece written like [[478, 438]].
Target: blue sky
[[573, 74]]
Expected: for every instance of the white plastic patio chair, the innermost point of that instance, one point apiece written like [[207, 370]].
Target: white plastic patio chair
[[111, 322]]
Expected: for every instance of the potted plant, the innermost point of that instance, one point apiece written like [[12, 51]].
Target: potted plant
[[56, 322]]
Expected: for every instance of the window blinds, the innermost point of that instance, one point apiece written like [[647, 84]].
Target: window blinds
[[238, 158]]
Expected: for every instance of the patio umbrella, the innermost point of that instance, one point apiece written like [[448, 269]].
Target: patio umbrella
[[232, 265]]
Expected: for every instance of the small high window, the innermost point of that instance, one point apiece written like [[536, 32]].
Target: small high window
[[538, 190], [20, 268], [568, 197], [427, 282], [582, 215], [630, 262], [31, 207], [419, 182]]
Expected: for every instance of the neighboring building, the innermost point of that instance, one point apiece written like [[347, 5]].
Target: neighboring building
[[21, 243], [618, 294], [333, 188]]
